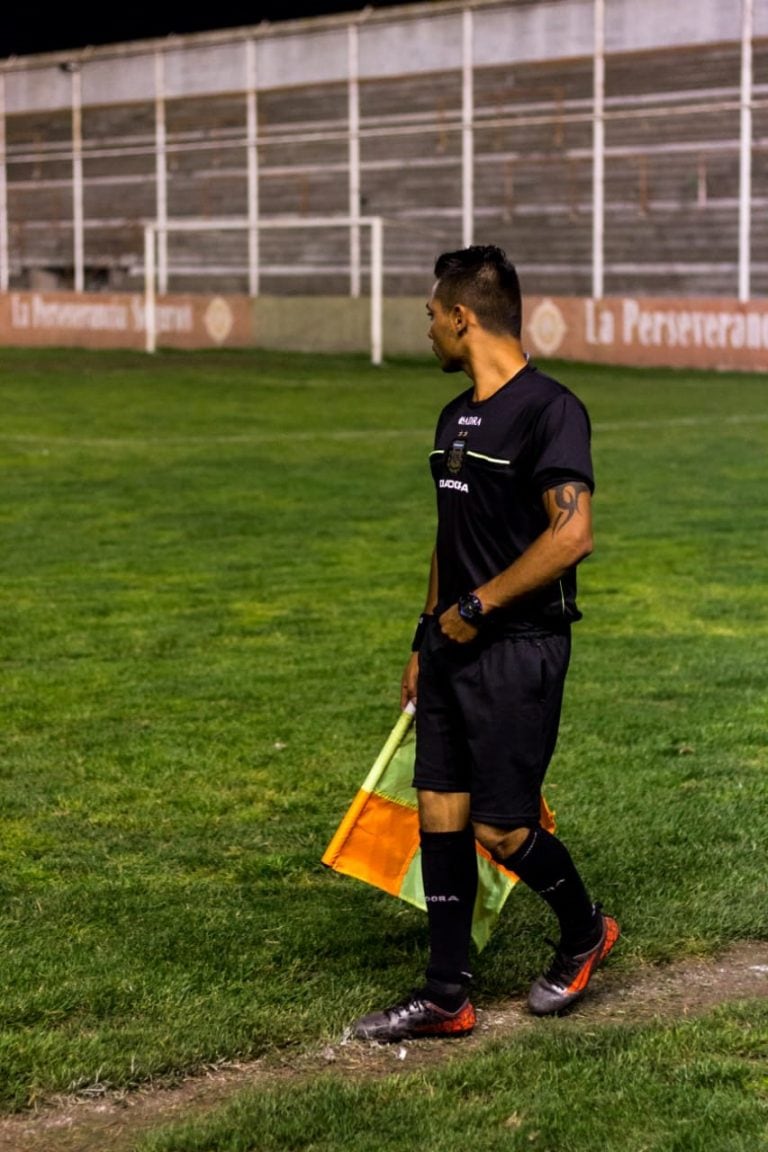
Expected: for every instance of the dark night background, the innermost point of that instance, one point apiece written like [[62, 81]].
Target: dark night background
[[76, 27]]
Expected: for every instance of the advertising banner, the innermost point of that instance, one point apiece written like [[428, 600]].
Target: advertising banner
[[628, 330], [96, 320], [652, 332]]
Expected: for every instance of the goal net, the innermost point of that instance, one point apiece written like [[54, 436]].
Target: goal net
[[156, 259]]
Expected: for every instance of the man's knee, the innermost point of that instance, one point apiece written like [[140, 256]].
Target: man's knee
[[501, 842], [443, 811]]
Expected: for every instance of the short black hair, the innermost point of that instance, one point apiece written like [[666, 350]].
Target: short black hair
[[485, 280]]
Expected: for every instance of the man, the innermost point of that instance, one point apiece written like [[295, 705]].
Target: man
[[513, 475]]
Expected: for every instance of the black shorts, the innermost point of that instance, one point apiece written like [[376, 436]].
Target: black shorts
[[487, 719]]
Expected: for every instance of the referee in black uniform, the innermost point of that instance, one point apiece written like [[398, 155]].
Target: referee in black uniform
[[513, 476]]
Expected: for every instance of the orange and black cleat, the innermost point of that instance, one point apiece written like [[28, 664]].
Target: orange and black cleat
[[413, 1018], [566, 980]]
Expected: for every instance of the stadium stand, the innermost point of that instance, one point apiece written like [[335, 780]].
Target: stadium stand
[[180, 144]]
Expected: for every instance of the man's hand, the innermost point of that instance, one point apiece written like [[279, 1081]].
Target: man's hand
[[410, 680], [455, 627]]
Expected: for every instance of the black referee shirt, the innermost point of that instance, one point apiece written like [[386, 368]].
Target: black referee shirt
[[491, 464]]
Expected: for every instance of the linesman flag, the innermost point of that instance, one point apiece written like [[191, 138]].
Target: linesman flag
[[378, 839]]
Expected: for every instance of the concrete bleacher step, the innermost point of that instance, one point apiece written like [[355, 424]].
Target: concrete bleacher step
[[671, 175]]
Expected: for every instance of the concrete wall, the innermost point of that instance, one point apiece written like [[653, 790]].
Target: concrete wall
[[338, 324], [413, 38], [653, 332]]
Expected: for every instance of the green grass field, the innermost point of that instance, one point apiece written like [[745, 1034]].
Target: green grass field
[[211, 569]]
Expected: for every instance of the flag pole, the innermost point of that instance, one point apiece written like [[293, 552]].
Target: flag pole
[[391, 746]]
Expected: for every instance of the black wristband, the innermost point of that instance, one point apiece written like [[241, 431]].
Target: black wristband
[[421, 628]]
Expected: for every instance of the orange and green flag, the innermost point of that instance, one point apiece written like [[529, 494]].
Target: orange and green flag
[[378, 839]]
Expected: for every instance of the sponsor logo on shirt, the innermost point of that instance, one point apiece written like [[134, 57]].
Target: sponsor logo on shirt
[[474, 421], [455, 458], [458, 485]]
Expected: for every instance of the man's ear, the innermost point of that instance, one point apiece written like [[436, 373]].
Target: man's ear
[[459, 319]]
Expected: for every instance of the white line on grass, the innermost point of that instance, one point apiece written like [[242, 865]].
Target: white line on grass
[[354, 433], [679, 422]]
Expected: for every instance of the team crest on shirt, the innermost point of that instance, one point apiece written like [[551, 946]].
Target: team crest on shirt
[[454, 461]]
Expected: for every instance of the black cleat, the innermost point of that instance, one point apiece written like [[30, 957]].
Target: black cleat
[[415, 1017], [566, 980]]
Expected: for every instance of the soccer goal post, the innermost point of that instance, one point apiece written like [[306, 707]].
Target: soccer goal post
[[156, 229]]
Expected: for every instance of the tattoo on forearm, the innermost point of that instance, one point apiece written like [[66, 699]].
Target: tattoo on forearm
[[567, 500]]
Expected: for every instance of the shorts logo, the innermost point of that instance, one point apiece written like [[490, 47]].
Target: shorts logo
[[458, 485]]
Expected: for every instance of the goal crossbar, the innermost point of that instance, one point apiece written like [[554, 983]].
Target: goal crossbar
[[156, 228]]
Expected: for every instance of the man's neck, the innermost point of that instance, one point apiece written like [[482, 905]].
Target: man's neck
[[492, 364]]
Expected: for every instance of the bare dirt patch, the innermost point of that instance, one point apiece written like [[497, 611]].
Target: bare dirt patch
[[114, 1122]]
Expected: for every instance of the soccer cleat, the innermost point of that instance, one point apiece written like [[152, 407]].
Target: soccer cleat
[[413, 1018], [566, 980]]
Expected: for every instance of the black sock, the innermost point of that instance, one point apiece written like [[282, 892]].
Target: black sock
[[544, 863], [449, 871]]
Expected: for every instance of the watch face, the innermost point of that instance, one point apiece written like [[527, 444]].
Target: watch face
[[470, 609]]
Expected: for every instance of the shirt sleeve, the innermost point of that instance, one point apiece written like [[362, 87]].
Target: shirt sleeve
[[561, 445]]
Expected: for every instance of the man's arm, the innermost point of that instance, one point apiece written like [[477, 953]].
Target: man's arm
[[411, 670], [566, 540]]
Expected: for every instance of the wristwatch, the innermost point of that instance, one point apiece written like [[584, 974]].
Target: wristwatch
[[470, 609]]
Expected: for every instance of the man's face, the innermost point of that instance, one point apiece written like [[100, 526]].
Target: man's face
[[442, 333]]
